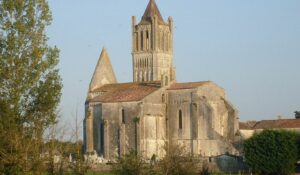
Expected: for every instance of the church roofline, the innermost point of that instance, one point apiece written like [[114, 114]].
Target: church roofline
[[124, 92], [188, 85]]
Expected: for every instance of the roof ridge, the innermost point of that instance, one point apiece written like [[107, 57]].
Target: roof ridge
[[280, 119], [208, 81]]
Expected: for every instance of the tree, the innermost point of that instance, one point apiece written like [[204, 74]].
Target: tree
[[30, 85], [297, 114], [272, 152]]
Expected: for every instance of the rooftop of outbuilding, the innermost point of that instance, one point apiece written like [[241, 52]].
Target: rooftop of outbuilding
[[270, 124]]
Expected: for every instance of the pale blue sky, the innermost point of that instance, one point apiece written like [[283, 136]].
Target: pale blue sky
[[251, 48]]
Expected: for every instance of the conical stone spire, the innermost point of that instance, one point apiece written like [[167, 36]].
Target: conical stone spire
[[151, 11], [103, 73]]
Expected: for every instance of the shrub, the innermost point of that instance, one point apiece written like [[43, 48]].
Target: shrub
[[129, 164], [272, 152], [177, 161]]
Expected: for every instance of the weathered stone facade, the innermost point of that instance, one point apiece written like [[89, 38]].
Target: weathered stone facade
[[155, 109]]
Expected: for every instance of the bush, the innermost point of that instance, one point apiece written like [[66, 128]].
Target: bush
[[129, 164], [177, 161], [272, 152]]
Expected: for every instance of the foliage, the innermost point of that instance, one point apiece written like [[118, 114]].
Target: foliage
[[177, 161], [129, 164], [30, 86], [297, 114], [272, 152], [78, 166], [204, 169]]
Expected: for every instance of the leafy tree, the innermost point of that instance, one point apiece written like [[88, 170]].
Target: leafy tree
[[30, 86], [272, 152], [297, 114]]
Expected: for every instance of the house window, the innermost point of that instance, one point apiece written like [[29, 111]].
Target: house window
[[180, 119], [123, 116]]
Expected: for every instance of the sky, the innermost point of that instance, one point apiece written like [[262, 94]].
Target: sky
[[249, 48]]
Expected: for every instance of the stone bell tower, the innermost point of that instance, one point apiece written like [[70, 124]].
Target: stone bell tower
[[152, 47]]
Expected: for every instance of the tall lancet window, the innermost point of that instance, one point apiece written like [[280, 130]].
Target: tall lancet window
[[147, 40], [167, 42], [123, 116], [162, 41], [136, 41], [180, 119], [142, 41]]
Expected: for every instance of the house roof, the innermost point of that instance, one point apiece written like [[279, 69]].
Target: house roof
[[247, 125], [151, 11], [124, 92], [281, 123], [189, 85], [271, 124]]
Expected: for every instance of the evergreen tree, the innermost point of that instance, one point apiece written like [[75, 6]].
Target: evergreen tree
[[297, 114], [30, 85]]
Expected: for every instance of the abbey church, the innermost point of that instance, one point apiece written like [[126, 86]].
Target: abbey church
[[155, 109]]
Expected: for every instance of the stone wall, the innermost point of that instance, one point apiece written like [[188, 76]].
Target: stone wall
[[209, 122]]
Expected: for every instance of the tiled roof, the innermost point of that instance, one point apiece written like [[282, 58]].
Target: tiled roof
[[190, 85], [124, 92], [247, 125], [270, 124], [151, 11], [281, 123]]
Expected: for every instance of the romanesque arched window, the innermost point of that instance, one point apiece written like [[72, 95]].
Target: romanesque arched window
[[123, 116], [136, 41], [162, 41], [180, 119], [147, 40], [142, 41]]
